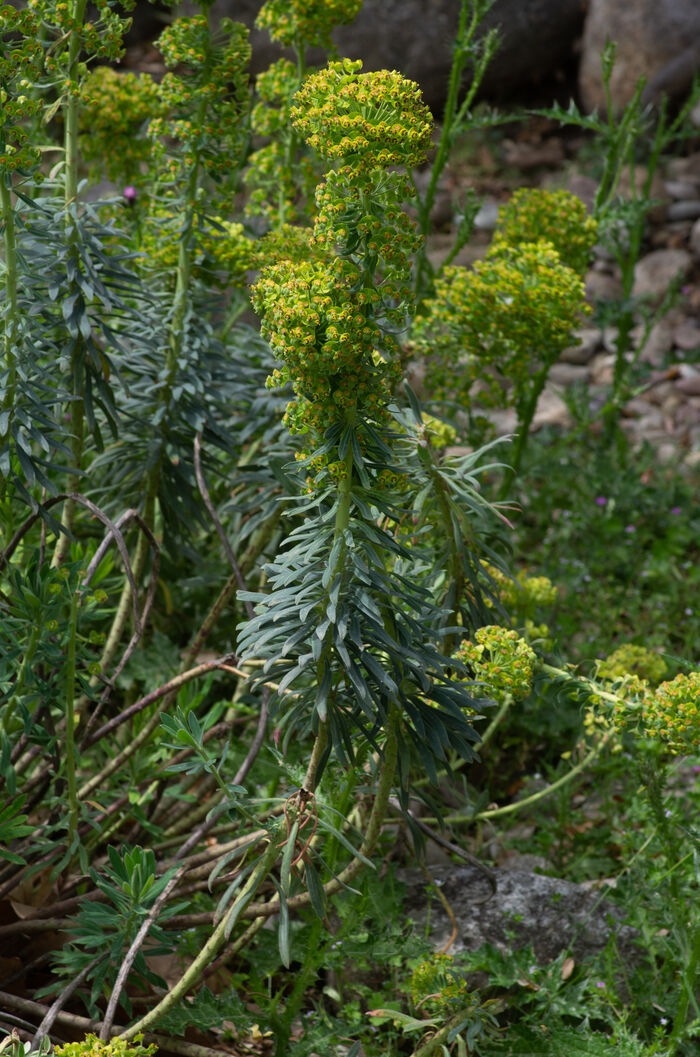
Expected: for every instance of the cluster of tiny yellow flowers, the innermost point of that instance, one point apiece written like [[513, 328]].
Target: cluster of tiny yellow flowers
[[331, 319], [672, 714], [558, 217], [514, 311], [305, 21], [115, 111], [325, 340], [433, 986], [276, 179], [378, 119], [215, 76], [91, 1046], [21, 57], [501, 660], [633, 660], [522, 594]]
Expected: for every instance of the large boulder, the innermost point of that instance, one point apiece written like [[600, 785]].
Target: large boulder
[[416, 36], [657, 39], [526, 908]]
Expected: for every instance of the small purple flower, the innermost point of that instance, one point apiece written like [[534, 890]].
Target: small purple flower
[[129, 193], [601, 983], [675, 510], [600, 500], [630, 528]]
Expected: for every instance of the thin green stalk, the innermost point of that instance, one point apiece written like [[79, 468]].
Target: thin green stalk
[[69, 746]]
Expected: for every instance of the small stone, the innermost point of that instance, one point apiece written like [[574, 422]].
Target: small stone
[[590, 339], [551, 411], [686, 336], [601, 286], [680, 189], [654, 273], [602, 368], [689, 386], [569, 374], [487, 217], [688, 209], [658, 344]]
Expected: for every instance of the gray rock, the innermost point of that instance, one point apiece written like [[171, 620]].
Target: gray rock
[[527, 908], [687, 209], [415, 37], [657, 39], [682, 189], [569, 374], [590, 340], [602, 286], [654, 272]]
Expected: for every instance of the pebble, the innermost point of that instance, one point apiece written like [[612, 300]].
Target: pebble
[[686, 335], [569, 374], [654, 272], [590, 340], [680, 189], [689, 209]]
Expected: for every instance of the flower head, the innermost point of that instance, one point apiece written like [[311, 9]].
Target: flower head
[[378, 118]]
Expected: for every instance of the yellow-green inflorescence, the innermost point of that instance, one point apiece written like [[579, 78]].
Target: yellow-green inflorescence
[[512, 312], [638, 661], [21, 60], [300, 22], [501, 661], [332, 321], [558, 217], [115, 111], [91, 1046], [516, 309]]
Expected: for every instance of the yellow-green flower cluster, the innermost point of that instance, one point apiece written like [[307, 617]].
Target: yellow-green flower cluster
[[279, 183], [558, 217], [317, 328], [331, 320], [21, 57], [501, 660], [214, 79], [634, 660], [305, 21], [513, 313], [91, 1046], [521, 595], [115, 111], [376, 119], [672, 714]]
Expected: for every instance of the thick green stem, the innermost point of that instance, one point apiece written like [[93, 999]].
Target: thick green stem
[[77, 409], [526, 408], [11, 309]]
